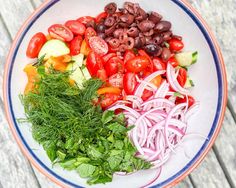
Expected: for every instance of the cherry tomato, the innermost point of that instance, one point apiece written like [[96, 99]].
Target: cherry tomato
[[116, 80], [158, 64], [108, 56], [98, 45], [128, 55], [76, 27], [182, 77], [146, 94], [137, 64], [102, 75], [150, 66], [129, 83], [176, 45], [89, 32], [191, 100], [101, 17], [173, 62], [94, 63], [60, 32], [114, 65], [108, 100], [75, 45], [35, 45], [85, 19]]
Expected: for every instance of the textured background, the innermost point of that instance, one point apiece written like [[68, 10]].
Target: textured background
[[219, 167]]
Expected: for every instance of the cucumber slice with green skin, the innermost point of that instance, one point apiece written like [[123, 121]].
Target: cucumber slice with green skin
[[53, 48], [76, 74], [78, 59], [189, 83], [86, 72], [186, 59]]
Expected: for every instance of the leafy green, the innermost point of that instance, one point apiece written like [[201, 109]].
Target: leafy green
[[77, 134]]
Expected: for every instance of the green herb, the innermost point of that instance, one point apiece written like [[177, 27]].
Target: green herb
[[75, 133], [192, 83], [166, 44], [177, 94], [39, 61]]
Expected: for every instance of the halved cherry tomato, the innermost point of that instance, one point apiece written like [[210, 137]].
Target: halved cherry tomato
[[35, 45], [85, 49], [89, 32], [150, 66], [157, 81], [146, 94], [76, 27], [191, 100], [60, 32], [94, 63], [158, 64], [108, 56], [108, 100], [129, 83], [75, 45], [102, 75], [182, 77], [137, 64], [114, 65], [98, 45], [101, 17], [173, 62], [116, 80], [128, 55], [85, 19], [176, 45], [111, 90]]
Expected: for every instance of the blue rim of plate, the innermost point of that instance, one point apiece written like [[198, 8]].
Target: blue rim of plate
[[195, 158]]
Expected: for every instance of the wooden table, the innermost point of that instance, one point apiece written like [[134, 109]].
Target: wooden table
[[219, 167]]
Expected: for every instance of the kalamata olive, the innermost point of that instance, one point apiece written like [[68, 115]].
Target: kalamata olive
[[146, 25], [177, 37], [133, 32], [130, 43], [91, 24], [101, 28], [149, 33], [107, 39], [124, 25], [151, 49], [101, 35], [157, 39], [162, 26], [167, 35], [118, 32], [139, 42], [110, 30], [114, 43], [166, 54], [110, 8], [129, 7], [148, 40], [141, 14], [133, 24], [123, 48], [109, 21], [127, 18], [155, 17], [159, 51], [123, 38]]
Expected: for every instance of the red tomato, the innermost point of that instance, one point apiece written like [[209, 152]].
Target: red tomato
[[114, 65], [173, 62], [191, 100], [137, 64], [176, 45], [182, 77], [75, 45], [94, 63], [98, 45], [128, 55], [129, 83], [35, 45], [89, 32], [150, 66], [146, 94], [101, 17], [102, 75], [109, 99], [108, 56], [76, 27], [158, 64], [116, 80], [60, 32], [85, 19]]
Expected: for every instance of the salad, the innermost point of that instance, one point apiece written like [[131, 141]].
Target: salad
[[109, 94]]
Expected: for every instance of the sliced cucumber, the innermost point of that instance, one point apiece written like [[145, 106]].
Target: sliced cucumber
[[186, 59], [86, 72], [78, 59], [189, 83], [53, 48], [76, 74]]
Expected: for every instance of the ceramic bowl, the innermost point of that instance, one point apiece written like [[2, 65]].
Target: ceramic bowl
[[208, 74]]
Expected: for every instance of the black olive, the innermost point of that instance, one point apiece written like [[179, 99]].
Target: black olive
[[101, 28], [151, 49]]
